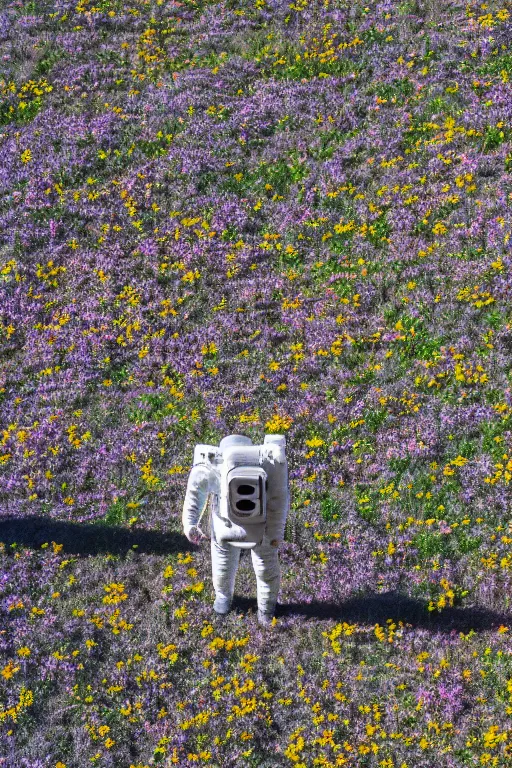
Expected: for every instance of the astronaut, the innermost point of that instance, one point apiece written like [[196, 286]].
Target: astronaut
[[247, 488]]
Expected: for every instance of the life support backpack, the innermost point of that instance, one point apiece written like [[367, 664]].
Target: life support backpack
[[239, 512], [247, 493]]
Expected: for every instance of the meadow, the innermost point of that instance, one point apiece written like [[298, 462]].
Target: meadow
[[256, 216]]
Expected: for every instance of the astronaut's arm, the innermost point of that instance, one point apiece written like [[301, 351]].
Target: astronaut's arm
[[198, 487]]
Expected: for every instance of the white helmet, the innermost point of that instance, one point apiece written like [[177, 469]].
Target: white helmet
[[230, 440]]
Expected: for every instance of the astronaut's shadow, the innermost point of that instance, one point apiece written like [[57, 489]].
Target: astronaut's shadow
[[89, 538], [374, 608], [369, 608]]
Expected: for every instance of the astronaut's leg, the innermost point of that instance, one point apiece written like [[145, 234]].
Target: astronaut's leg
[[265, 561], [225, 561]]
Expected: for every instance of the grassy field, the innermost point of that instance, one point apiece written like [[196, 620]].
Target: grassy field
[[256, 216]]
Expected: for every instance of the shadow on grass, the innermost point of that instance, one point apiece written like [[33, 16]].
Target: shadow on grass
[[371, 609], [89, 538]]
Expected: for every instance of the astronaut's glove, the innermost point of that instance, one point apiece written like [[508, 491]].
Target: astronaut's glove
[[194, 534]]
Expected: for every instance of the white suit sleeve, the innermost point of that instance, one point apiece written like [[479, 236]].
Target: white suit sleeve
[[198, 488]]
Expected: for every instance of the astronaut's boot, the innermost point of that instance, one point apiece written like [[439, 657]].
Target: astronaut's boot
[[222, 605], [265, 618], [266, 614]]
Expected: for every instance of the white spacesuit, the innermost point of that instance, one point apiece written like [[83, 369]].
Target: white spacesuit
[[249, 501]]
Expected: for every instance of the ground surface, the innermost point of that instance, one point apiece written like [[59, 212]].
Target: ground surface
[[256, 217]]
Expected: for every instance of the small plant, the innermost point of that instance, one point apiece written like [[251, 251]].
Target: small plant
[[375, 418], [430, 543], [330, 508], [116, 513], [467, 543], [493, 138]]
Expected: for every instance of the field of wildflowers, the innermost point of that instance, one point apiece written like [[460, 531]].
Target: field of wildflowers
[[256, 216]]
